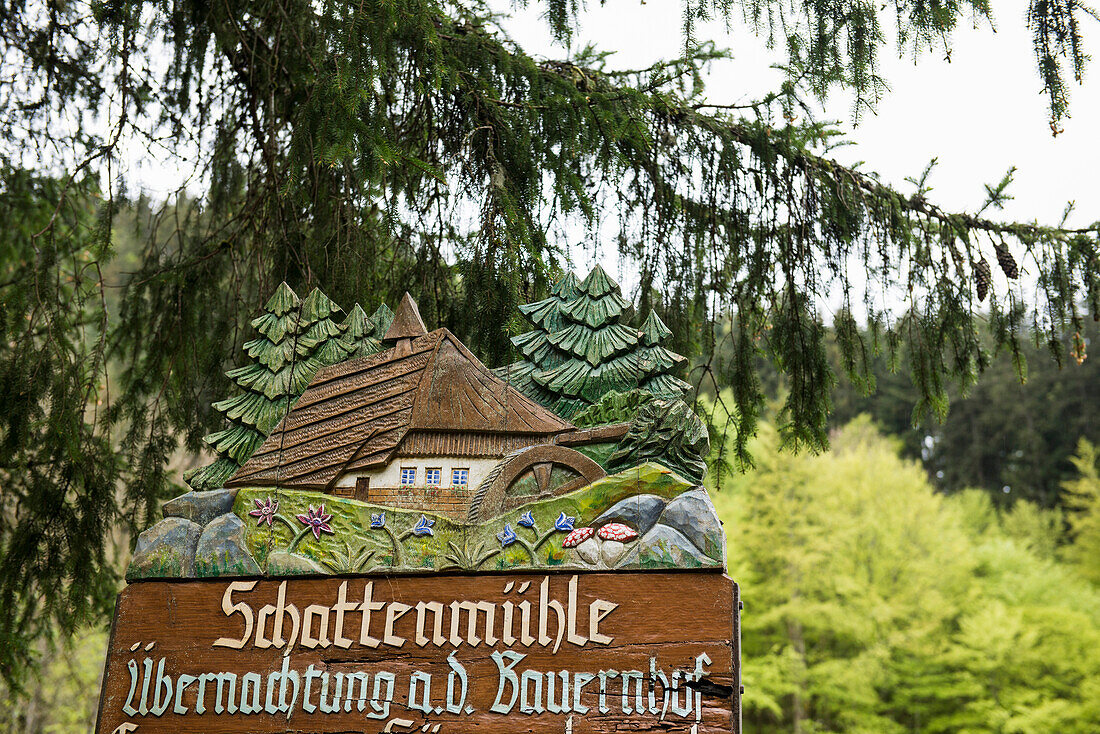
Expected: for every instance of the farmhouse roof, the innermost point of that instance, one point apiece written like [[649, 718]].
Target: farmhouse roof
[[354, 415], [406, 322]]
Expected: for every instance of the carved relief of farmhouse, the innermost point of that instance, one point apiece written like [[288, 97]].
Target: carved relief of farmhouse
[[407, 454]]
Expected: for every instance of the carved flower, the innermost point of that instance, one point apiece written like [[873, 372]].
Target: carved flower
[[265, 511], [577, 537], [378, 521], [317, 521], [506, 536], [423, 526], [526, 520], [564, 523]]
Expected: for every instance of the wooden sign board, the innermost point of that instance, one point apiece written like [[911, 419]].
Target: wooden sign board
[[589, 652]]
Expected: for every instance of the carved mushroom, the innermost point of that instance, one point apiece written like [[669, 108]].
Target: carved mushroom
[[577, 537], [617, 531], [586, 545]]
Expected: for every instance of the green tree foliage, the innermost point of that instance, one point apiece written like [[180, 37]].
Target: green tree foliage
[[322, 338], [1014, 438], [539, 353], [881, 606], [668, 432], [359, 330], [614, 407], [581, 351], [65, 698], [59, 469], [600, 352], [382, 318], [334, 142], [1083, 506]]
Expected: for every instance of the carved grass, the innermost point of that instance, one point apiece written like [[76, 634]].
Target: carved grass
[[355, 547]]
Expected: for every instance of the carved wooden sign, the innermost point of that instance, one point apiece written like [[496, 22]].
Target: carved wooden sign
[[582, 653], [396, 538]]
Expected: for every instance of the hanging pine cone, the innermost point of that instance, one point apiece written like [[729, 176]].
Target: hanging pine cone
[[1006, 261], [982, 275]]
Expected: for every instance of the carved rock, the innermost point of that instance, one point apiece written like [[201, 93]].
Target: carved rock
[[201, 507], [611, 551], [693, 514], [663, 546], [221, 550], [281, 563], [639, 512], [589, 551], [166, 550]]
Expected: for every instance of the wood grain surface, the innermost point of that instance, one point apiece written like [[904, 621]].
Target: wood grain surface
[[191, 656]]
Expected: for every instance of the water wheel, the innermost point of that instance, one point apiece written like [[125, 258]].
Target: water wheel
[[532, 474]]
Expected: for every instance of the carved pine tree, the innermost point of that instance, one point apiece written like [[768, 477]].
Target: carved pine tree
[[359, 331], [296, 338], [382, 318], [600, 350], [539, 354], [322, 339], [658, 363]]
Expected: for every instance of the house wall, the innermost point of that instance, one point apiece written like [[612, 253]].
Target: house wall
[[386, 489], [390, 474]]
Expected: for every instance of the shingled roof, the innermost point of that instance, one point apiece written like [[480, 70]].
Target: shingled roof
[[354, 415]]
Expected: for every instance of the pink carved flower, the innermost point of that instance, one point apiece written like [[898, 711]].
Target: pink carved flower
[[265, 511], [317, 521]]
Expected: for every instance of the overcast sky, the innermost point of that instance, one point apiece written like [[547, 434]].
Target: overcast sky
[[979, 114]]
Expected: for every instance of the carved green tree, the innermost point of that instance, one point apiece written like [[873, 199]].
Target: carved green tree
[[669, 433], [359, 330], [535, 345], [382, 318], [658, 363], [296, 338], [322, 339], [600, 351]]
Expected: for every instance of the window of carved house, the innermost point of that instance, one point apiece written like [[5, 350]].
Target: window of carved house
[[460, 477], [431, 476], [408, 476]]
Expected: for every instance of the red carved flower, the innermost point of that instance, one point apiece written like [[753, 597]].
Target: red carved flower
[[265, 511]]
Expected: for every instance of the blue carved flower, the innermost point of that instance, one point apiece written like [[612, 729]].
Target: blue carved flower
[[423, 526], [564, 523], [378, 521], [526, 520], [507, 536]]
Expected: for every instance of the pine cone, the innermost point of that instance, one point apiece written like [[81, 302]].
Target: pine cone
[[1006, 261], [982, 276]]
